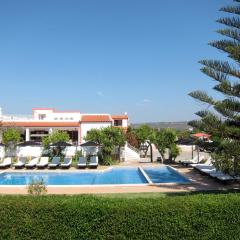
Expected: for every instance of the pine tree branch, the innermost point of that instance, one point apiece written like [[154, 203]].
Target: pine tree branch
[[236, 89], [221, 108], [221, 66], [231, 9], [203, 113], [231, 33], [232, 104], [196, 124], [202, 97], [225, 45], [217, 75], [226, 88], [231, 22]]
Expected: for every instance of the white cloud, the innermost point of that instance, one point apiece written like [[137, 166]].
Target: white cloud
[[146, 100]]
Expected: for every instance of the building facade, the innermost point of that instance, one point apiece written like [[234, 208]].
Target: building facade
[[44, 121]]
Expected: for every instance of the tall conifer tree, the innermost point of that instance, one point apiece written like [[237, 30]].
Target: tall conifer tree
[[221, 118]]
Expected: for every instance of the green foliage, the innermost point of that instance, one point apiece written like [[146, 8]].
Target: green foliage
[[108, 138], [106, 160], [132, 137], [77, 155], [222, 121], [55, 137], [37, 187], [165, 138], [144, 133], [183, 134], [12, 135], [174, 151], [129, 216]]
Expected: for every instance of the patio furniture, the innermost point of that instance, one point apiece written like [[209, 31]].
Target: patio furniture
[[66, 163], [82, 162], [32, 163], [211, 171], [207, 163], [220, 175], [192, 161], [43, 162], [55, 162], [21, 163], [93, 162], [6, 162]]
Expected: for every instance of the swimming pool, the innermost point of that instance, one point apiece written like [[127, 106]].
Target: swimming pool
[[112, 176], [165, 175]]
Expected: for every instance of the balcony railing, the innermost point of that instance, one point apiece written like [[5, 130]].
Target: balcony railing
[[8, 117]]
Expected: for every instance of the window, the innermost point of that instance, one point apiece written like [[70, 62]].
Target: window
[[41, 116], [117, 123]]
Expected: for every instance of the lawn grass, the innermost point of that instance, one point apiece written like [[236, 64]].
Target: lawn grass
[[121, 216]]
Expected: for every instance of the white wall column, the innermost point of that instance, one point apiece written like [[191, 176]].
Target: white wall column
[[1, 133], [27, 135], [79, 135], [50, 130]]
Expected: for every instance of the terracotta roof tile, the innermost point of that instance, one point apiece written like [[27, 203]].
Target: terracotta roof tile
[[96, 118], [119, 117]]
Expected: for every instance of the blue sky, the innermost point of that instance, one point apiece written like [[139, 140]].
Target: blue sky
[[135, 56]]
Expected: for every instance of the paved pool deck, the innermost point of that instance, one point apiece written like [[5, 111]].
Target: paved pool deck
[[199, 182]]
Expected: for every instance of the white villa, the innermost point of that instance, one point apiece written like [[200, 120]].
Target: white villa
[[46, 120]]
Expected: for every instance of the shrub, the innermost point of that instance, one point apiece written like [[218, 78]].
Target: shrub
[[37, 187], [77, 155], [129, 216], [11, 135]]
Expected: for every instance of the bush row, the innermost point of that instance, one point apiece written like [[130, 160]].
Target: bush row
[[210, 216]]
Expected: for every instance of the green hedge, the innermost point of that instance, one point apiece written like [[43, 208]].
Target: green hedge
[[200, 216]]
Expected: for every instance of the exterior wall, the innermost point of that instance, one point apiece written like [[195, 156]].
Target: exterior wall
[[85, 127], [49, 120], [52, 115], [1, 133], [125, 123], [2, 152], [29, 151]]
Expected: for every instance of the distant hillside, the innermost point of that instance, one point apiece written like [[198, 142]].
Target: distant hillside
[[174, 125]]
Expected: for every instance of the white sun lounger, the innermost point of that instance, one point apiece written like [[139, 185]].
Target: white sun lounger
[[55, 162], [66, 163], [220, 175], [21, 162], [82, 162], [225, 177], [212, 172], [192, 161], [206, 169], [43, 162], [207, 163], [6, 162], [32, 163], [93, 162]]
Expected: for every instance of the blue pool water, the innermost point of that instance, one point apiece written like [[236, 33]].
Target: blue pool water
[[164, 174], [121, 175]]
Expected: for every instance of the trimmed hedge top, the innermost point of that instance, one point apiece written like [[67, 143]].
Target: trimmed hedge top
[[209, 216]]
